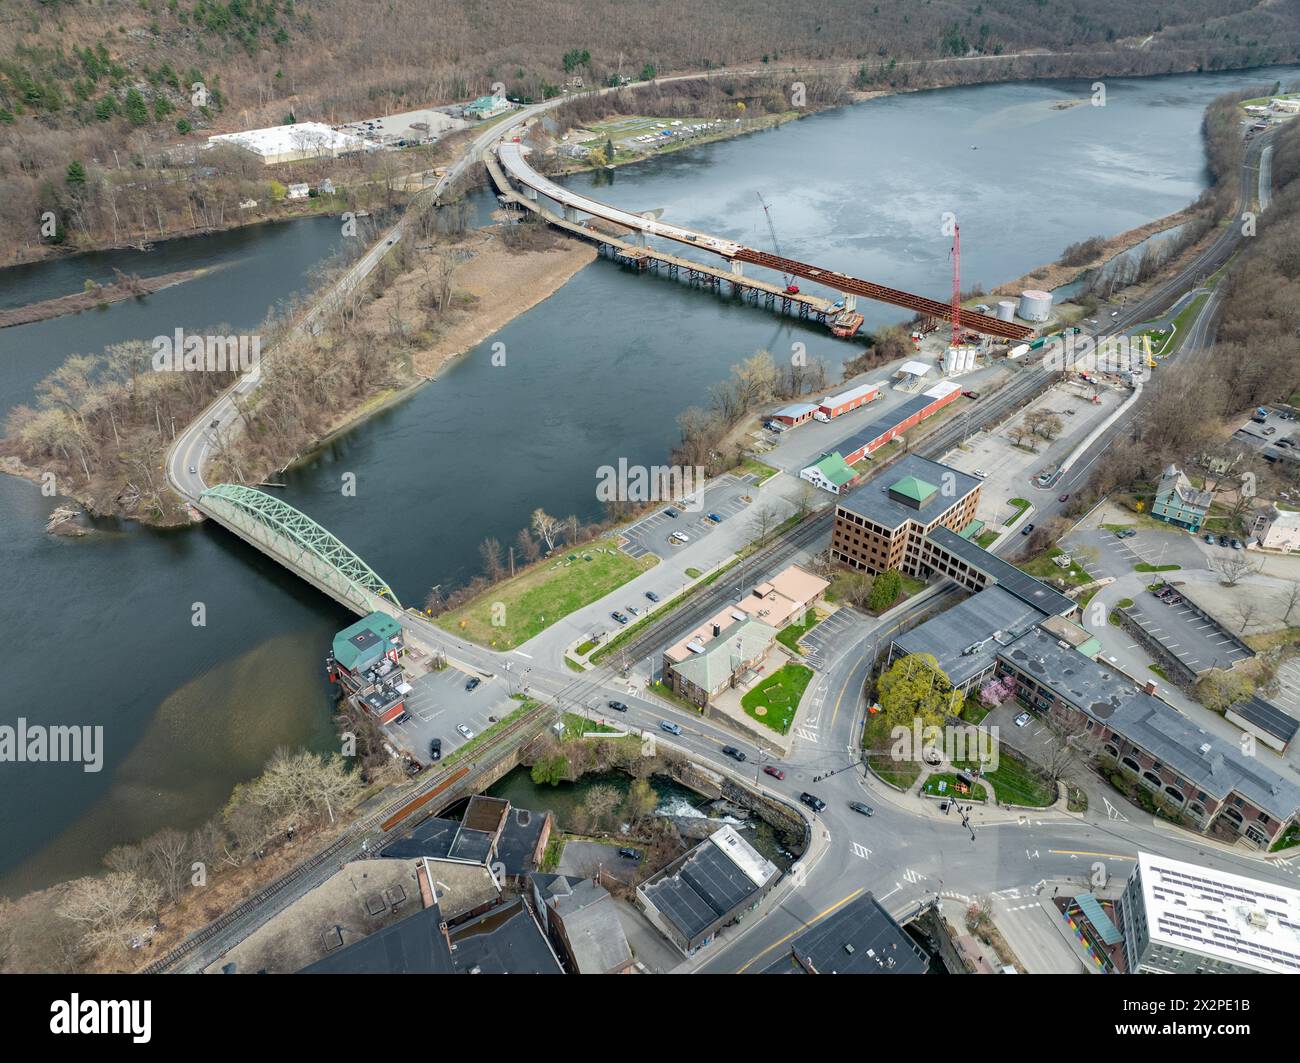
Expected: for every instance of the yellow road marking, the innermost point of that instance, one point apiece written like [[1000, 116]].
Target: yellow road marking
[[817, 919], [1074, 852]]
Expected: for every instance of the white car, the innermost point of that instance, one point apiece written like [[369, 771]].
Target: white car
[[1022, 719], [465, 731]]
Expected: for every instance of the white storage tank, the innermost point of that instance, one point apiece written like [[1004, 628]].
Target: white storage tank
[[1006, 310], [952, 361], [1035, 305]]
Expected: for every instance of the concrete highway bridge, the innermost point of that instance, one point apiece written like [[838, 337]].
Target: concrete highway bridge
[[511, 156]]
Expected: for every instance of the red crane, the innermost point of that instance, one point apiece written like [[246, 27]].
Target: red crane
[[956, 284], [790, 286]]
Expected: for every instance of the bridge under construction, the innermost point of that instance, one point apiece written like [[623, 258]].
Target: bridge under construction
[[643, 226]]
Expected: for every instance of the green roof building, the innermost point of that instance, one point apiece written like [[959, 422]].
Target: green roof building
[[830, 472], [367, 641], [912, 491]]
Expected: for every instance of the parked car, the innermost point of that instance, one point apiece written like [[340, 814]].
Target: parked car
[[465, 731], [679, 537], [671, 728], [1026, 529], [1126, 533], [774, 771], [1270, 430], [435, 749], [630, 854], [859, 807], [1022, 719], [980, 474], [1236, 544], [633, 610], [619, 617], [1064, 498], [617, 706], [1173, 599], [733, 753], [971, 394], [652, 596], [1224, 540], [670, 512], [715, 517], [1209, 538], [815, 803], [473, 683]]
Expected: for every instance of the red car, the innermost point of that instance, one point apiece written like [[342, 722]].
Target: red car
[[773, 771]]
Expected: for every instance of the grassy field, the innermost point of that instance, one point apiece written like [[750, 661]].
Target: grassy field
[[1018, 783], [543, 594], [791, 635], [977, 793], [1042, 567], [779, 696], [1143, 566], [987, 538]]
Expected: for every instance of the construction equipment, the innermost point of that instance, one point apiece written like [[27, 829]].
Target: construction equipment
[[790, 286], [956, 284]]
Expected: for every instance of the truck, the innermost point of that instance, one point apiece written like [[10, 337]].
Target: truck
[[1260, 415]]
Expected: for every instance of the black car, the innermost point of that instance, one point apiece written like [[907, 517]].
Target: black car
[[435, 749], [733, 753], [1026, 529], [631, 854], [618, 706], [865, 810], [815, 803], [670, 512], [1224, 540], [473, 683], [652, 596]]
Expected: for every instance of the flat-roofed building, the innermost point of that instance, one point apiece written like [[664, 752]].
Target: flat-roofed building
[[1212, 784], [883, 523], [291, 143], [1180, 918], [858, 938], [707, 888]]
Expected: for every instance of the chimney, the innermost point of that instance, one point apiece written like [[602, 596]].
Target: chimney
[[717, 630], [1151, 686]]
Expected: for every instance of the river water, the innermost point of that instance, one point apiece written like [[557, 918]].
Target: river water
[[599, 371]]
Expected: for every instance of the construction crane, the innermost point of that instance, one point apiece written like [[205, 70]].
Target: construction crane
[[956, 284], [790, 286]]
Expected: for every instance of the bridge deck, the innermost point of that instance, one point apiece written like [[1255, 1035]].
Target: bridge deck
[[512, 158]]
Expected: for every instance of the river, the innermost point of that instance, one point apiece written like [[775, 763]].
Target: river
[[597, 372]]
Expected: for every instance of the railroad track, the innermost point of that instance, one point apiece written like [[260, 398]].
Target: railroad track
[[349, 842]]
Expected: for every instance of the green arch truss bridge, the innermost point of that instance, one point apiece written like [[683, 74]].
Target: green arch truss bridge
[[299, 543]]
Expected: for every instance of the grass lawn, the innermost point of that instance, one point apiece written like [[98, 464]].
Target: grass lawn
[[987, 538], [876, 742], [778, 695], [1159, 671], [1142, 566], [1018, 783], [573, 666], [694, 573], [1124, 603], [790, 636], [1290, 837], [1020, 504], [544, 593], [978, 793], [757, 468], [1042, 567]]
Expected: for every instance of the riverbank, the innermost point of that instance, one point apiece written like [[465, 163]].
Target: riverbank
[[95, 297]]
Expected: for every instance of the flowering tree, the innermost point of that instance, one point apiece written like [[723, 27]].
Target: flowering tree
[[998, 690]]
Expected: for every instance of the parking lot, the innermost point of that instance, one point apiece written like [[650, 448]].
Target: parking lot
[[825, 640], [1184, 631], [722, 496], [439, 701]]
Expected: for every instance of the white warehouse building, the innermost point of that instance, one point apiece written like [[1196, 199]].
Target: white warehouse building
[[292, 143]]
